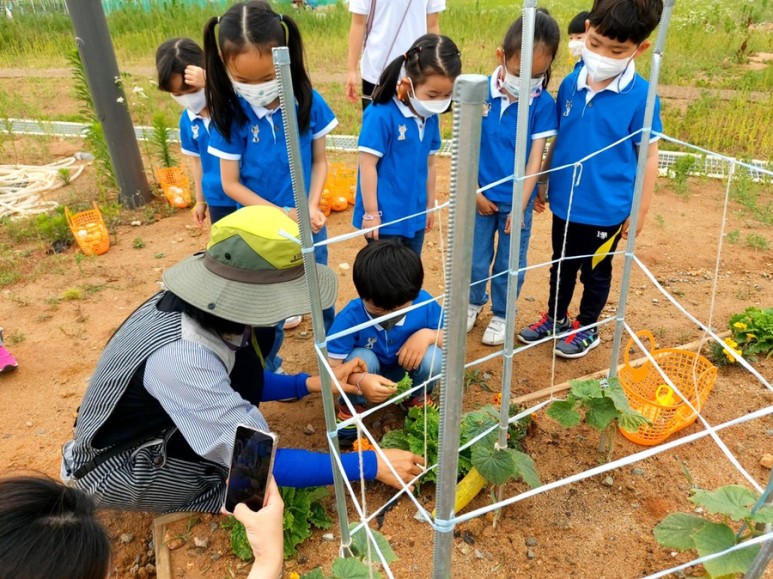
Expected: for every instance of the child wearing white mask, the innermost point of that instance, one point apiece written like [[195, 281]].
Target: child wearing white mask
[[599, 104], [491, 243], [179, 64], [399, 139], [576, 31]]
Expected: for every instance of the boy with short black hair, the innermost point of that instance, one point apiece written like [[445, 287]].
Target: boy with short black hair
[[388, 276], [576, 32], [600, 103]]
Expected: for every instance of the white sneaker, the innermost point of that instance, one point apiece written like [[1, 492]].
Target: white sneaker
[[293, 322], [495, 332], [472, 315]]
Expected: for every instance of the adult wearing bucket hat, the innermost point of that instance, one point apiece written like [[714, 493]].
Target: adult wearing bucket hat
[[155, 428]]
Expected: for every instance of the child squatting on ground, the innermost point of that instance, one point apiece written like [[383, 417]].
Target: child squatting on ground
[[388, 276], [601, 102], [497, 150], [399, 139]]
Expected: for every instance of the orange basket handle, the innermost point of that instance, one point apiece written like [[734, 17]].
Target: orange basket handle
[[642, 335]]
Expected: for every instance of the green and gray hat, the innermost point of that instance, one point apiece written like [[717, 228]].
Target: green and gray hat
[[252, 271]]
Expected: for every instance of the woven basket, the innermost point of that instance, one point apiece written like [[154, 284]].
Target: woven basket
[[691, 373], [89, 230], [175, 185]]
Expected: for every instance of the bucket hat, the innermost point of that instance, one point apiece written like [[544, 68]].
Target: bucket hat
[[252, 271]]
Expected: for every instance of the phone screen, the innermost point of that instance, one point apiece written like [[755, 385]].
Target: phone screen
[[251, 464]]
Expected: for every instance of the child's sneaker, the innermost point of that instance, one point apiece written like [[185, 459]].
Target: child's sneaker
[[293, 322], [347, 434], [578, 343], [543, 328], [7, 361], [495, 332], [472, 315]]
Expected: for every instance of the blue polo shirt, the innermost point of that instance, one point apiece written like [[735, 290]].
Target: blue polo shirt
[[384, 343], [194, 137], [403, 143], [497, 139], [589, 121], [259, 146]]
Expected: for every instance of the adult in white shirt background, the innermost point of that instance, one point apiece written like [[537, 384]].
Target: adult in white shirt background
[[380, 31]]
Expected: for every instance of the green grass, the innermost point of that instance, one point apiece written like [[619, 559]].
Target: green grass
[[708, 46]]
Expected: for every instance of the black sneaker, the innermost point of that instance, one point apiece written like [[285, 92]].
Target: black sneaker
[[544, 328], [578, 343]]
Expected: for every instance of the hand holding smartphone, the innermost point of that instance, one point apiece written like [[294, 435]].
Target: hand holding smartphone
[[252, 461]]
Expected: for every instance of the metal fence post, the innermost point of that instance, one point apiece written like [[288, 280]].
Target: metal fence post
[[469, 95], [649, 113], [99, 63], [292, 137]]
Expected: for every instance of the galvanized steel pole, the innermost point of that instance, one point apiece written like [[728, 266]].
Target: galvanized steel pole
[[519, 163], [289, 117], [98, 57], [649, 114], [469, 95]]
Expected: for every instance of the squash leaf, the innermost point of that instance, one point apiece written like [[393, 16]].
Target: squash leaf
[[353, 568], [716, 537], [677, 529], [600, 412], [564, 412], [733, 501]]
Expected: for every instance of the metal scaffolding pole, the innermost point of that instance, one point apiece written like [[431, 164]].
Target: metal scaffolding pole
[[289, 117], [649, 113], [522, 130], [98, 57], [469, 95]]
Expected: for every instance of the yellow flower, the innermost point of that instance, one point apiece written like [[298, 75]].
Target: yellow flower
[[731, 342], [740, 326], [731, 345], [294, 575], [751, 337]]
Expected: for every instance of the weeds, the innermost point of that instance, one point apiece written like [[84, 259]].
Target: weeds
[[733, 237], [757, 241], [15, 338], [681, 169], [138, 243]]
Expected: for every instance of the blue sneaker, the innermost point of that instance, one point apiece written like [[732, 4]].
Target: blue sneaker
[[543, 328], [578, 343]]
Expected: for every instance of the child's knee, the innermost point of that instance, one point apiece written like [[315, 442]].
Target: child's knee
[[367, 356]]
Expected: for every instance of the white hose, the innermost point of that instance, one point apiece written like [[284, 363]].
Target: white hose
[[22, 187]]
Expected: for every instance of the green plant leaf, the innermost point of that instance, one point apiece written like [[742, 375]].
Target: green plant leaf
[[314, 574], [764, 515], [405, 383], [614, 391], [716, 537], [586, 389], [600, 412], [525, 467], [496, 466], [564, 412], [677, 529], [395, 439], [353, 568], [360, 545], [240, 545], [732, 500]]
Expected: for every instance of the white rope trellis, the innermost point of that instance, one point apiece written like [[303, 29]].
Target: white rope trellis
[[709, 430]]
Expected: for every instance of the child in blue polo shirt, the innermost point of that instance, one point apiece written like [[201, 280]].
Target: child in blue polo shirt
[[598, 104], [399, 138], [249, 134], [179, 62], [497, 150], [388, 276]]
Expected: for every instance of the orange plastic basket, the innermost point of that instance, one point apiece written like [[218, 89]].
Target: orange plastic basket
[[175, 185], [691, 373], [89, 230]]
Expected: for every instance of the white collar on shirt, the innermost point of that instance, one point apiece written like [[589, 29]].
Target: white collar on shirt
[[409, 114], [263, 112], [193, 116], [617, 85], [367, 313]]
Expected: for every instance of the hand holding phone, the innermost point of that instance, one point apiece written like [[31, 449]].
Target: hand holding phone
[[252, 461]]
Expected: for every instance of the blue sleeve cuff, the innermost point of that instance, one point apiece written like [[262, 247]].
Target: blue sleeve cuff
[[282, 386], [301, 468]]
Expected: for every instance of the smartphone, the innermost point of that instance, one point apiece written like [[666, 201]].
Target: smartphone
[[252, 461]]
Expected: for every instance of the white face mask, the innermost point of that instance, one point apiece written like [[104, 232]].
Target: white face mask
[[512, 84], [194, 102], [258, 95], [428, 108], [575, 47], [602, 67]]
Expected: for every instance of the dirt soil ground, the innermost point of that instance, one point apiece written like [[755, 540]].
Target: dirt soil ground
[[600, 527]]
